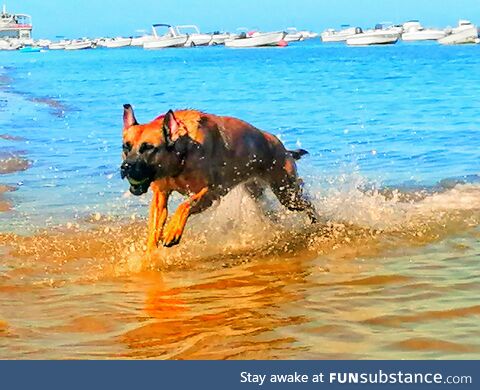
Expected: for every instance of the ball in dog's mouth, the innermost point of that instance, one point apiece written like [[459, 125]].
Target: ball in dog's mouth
[[139, 187]]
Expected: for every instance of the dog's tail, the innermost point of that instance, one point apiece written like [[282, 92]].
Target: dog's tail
[[297, 154]]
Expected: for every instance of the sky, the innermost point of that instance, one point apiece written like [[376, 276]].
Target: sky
[[95, 18]]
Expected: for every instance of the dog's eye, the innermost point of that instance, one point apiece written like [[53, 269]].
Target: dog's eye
[[127, 146], [144, 147]]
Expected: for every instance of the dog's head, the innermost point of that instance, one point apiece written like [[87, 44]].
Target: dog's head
[[150, 151]]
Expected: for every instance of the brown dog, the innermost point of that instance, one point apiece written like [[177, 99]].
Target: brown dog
[[203, 156]]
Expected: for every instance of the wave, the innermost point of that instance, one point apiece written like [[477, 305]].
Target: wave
[[238, 230]]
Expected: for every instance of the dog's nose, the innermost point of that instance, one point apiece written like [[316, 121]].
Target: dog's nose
[[124, 169]]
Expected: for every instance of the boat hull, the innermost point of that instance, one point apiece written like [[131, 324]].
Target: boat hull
[[79, 46], [259, 40], [373, 39], [424, 35], [116, 43], [468, 35], [198, 40], [293, 37], [165, 42]]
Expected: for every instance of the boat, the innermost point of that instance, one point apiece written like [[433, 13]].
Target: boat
[[30, 49], [58, 45], [9, 44], [292, 35], [378, 36], [79, 44], [331, 35], [256, 39], [140, 40], [17, 26], [219, 38], [308, 34], [112, 43], [196, 38], [465, 32], [414, 31], [170, 39]]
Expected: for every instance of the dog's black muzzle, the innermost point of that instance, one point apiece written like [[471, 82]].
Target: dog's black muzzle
[[138, 174]]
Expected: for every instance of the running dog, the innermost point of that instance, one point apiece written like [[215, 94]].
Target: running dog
[[203, 156]]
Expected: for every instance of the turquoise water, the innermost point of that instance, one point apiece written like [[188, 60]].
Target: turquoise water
[[405, 115], [394, 139]]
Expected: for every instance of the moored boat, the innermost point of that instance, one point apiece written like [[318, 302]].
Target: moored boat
[[196, 38], [170, 39], [16, 26], [79, 45], [256, 39], [414, 31], [378, 36], [219, 38], [117, 42], [464, 33], [331, 35], [140, 40], [293, 35]]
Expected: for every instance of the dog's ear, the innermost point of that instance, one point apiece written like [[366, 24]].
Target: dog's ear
[[171, 128], [128, 116]]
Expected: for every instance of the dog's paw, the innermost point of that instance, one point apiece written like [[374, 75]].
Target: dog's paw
[[172, 234]]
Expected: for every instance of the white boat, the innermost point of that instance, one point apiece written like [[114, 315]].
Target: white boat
[[117, 42], [58, 45], [377, 36], [170, 39], [465, 32], [79, 45], [308, 34], [219, 38], [9, 44], [257, 39], [17, 26], [346, 32], [414, 31], [196, 38], [293, 35], [140, 40]]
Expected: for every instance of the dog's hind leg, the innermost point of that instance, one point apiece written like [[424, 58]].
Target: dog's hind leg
[[255, 188], [287, 187], [193, 205]]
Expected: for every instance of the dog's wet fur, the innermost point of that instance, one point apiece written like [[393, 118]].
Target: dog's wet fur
[[204, 156]]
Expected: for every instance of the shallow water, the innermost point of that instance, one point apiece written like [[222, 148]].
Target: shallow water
[[391, 272]]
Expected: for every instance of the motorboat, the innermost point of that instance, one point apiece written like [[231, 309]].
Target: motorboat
[[117, 42], [9, 44], [17, 26], [58, 45], [331, 35], [219, 38], [308, 34], [293, 35], [196, 38], [81, 44], [256, 39], [414, 31], [170, 39], [140, 40], [30, 49], [377, 36], [465, 32]]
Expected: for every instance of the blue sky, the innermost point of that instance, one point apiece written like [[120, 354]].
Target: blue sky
[[76, 18]]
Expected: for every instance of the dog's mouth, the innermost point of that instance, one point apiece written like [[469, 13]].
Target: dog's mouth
[[139, 187]]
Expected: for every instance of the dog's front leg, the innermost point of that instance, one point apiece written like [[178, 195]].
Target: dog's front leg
[[158, 216], [174, 229]]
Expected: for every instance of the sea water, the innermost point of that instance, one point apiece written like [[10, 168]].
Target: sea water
[[391, 271]]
